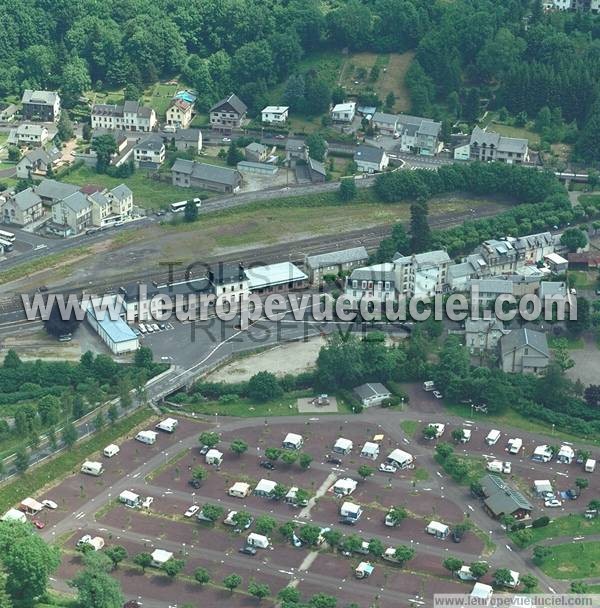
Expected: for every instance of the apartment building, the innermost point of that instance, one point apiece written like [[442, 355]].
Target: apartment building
[[490, 146], [422, 274], [131, 116], [40, 105]]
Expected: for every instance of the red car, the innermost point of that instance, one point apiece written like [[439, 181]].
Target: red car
[[38, 524]]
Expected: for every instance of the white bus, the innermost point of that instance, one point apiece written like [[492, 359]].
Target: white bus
[[6, 245], [180, 206], [7, 236]]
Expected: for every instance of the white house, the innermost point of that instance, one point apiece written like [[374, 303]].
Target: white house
[[370, 159], [276, 114], [344, 112], [27, 134], [131, 116], [372, 393]]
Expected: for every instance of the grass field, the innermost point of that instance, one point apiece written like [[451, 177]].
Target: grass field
[[568, 341], [583, 279], [569, 526], [573, 561], [147, 193], [508, 131], [159, 96]]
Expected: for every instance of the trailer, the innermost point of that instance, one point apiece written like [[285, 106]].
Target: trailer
[[111, 450], [515, 445], [92, 468], [344, 486], [429, 385], [168, 425], [258, 540], [364, 570], [130, 499], [147, 437], [293, 441], [240, 489], [437, 529], [350, 511], [565, 455], [590, 465], [492, 437], [497, 466], [214, 457]]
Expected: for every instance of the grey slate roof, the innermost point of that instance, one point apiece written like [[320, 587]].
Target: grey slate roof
[[26, 199], [519, 338], [371, 389], [379, 272], [234, 101], [429, 127], [345, 256], [498, 286], [427, 258], [153, 142], [462, 270], [50, 188], [121, 192], [552, 288], [256, 147], [480, 137], [369, 154], [40, 97], [76, 202], [186, 135], [317, 166], [204, 171], [501, 143], [502, 498], [100, 199], [40, 154], [382, 117]]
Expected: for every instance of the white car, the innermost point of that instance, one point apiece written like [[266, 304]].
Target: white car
[[149, 328], [155, 327], [437, 394], [147, 502], [553, 502], [49, 504], [388, 468], [192, 511], [226, 140]]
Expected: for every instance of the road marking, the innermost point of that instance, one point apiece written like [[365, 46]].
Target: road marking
[[439, 474], [470, 508], [508, 547], [551, 589]]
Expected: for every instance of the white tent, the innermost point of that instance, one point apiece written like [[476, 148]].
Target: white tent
[[344, 486], [14, 515], [343, 446], [370, 450], [160, 557], [402, 458]]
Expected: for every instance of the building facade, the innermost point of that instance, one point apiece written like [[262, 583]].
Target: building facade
[[131, 116], [187, 173], [228, 114], [40, 105]]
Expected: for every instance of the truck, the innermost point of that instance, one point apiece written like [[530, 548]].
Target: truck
[[492, 437], [590, 465], [515, 445]]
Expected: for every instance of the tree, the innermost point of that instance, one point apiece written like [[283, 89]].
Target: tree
[[14, 154], [190, 212], [99, 421], [320, 600], [376, 547], [242, 519], [212, 512], [317, 146], [86, 131], [234, 155], [573, 239], [104, 146], [592, 397], [265, 524], [75, 81], [65, 127], [403, 554], [238, 447], [541, 554], [397, 515], [582, 483], [289, 457], [479, 569], [258, 590], [279, 491], [420, 233], [503, 577], [5, 600], [530, 582], [69, 434], [453, 564], [579, 587], [390, 100], [305, 460], [232, 581], [209, 439], [21, 460], [264, 386], [173, 567], [132, 93], [12, 360], [113, 413], [96, 589], [143, 560], [430, 432], [143, 357], [116, 554], [309, 534], [348, 189], [291, 595], [332, 537], [273, 454], [365, 471], [458, 435], [471, 105], [201, 576]]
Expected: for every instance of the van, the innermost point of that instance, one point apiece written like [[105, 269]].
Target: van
[[492, 437], [148, 437], [92, 468], [429, 385], [168, 425], [111, 450]]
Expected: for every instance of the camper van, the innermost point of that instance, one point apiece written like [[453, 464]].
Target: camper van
[[257, 540], [497, 466], [148, 437], [111, 450], [492, 437], [590, 465], [168, 425], [92, 468], [515, 445]]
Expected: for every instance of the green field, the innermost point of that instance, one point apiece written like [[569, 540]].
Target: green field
[[570, 342], [147, 193], [409, 427], [509, 131], [568, 526], [573, 561], [159, 96]]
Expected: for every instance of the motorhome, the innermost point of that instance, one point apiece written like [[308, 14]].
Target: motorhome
[[497, 466], [429, 385], [515, 445], [148, 437], [565, 455], [240, 489], [111, 450], [168, 425], [364, 570], [130, 499], [344, 486], [492, 437], [350, 511], [437, 529], [92, 468]]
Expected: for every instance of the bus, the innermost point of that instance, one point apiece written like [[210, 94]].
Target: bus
[[6, 245], [180, 206], [7, 236]]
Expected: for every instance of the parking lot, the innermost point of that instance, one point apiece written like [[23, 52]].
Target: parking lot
[[89, 505]]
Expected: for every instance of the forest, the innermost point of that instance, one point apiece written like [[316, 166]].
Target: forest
[[470, 54]]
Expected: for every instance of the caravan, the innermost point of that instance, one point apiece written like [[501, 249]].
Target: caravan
[[401, 459], [515, 445], [130, 499], [168, 425], [147, 437], [111, 450], [258, 540], [92, 468], [435, 528], [492, 437]]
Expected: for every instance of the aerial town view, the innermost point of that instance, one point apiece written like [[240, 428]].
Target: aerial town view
[[300, 304]]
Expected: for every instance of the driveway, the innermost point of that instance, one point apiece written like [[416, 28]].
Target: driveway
[[587, 362]]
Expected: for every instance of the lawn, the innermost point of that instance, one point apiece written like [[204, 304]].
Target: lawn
[[573, 561], [593, 199], [568, 526], [409, 427], [569, 342], [147, 193], [509, 131], [583, 279], [158, 97]]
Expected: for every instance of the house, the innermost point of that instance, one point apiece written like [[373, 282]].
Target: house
[[501, 499], [556, 263], [293, 441], [583, 261], [37, 162], [115, 333], [7, 111], [296, 150], [490, 146], [335, 262], [121, 199], [160, 557], [256, 153], [524, 351], [51, 191], [188, 173], [184, 140], [316, 171], [264, 488], [283, 276], [377, 282], [422, 274], [418, 135], [149, 152], [229, 282], [179, 114], [228, 114], [385, 123], [482, 335], [40, 105], [372, 393], [22, 208], [369, 159], [275, 114], [73, 213], [28, 134], [344, 112], [370, 450], [131, 116], [110, 206]]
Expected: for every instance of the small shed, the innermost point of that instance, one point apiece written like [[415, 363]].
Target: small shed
[[31, 506], [265, 488], [343, 446], [214, 457], [344, 486], [160, 557], [293, 441], [437, 529], [370, 450]]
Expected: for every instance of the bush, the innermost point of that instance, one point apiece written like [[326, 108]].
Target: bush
[[229, 398], [540, 522]]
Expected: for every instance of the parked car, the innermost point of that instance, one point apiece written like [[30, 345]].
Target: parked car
[[192, 511], [267, 464], [280, 136], [573, 493], [38, 524], [49, 504], [296, 541], [457, 535], [333, 460], [388, 468], [248, 550], [226, 140], [553, 502], [437, 394], [204, 449], [147, 502], [195, 483]]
